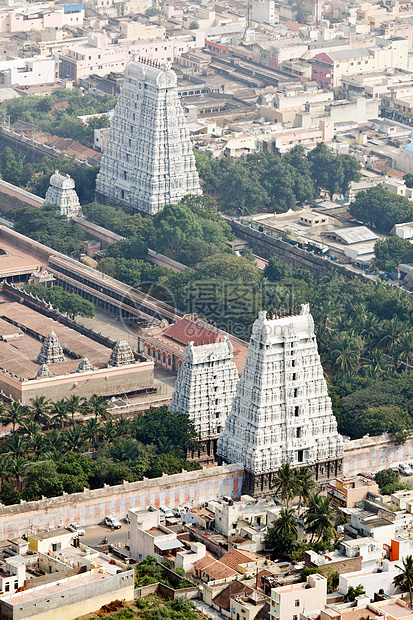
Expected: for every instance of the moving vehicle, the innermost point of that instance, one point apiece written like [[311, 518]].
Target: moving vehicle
[[113, 522], [77, 528]]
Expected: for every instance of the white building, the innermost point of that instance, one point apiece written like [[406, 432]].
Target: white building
[[205, 388], [288, 602], [61, 192], [146, 535], [282, 412], [185, 559], [264, 11], [28, 71], [148, 160]]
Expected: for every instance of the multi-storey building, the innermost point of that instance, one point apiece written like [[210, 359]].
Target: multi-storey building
[[204, 391], [282, 411], [329, 67], [148, 160]]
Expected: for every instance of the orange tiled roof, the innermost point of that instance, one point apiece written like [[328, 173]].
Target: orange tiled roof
[[235, 557]]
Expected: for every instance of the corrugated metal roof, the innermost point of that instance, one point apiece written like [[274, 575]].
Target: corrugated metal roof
[[360, 52], [355, 234]]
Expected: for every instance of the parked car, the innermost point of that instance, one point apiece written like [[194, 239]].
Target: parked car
[[113, 522], [405, 469], [78, 529], [167, 512]]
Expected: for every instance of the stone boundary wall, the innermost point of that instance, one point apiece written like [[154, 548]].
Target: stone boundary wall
[[13, 197], [90, 507], [371, 454], [267, 245]]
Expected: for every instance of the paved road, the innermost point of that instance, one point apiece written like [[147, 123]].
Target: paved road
[[96, 533]]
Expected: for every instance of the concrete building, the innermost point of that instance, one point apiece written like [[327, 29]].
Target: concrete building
[[348, 492], [98, 56], [147, 536], [185, 559], [148, 160], [264, 11], [204, 390], [69, 597], [12, 574], [329, 67], [288, 602], [282, 412], [61, 192], [40, 17], [28, 71]]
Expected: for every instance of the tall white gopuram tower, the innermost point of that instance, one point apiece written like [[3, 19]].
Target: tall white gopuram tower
[[282, 411], [61, 192], [148, 160], [205, 388]]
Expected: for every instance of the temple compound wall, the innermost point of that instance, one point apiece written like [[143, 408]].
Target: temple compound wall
[[90, 507], [371, 454]]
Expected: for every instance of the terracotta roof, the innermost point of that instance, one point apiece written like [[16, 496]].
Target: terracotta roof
[[187, 331], [235, 557], [214, 568], [222, 600]]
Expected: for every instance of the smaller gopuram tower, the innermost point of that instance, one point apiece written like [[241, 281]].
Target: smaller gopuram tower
[[204, 390]]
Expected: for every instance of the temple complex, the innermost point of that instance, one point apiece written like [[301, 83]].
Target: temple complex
[[148, 160], [61, 192], [282, 411], [204, 391]]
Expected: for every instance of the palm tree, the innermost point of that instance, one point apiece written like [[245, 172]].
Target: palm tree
[[92, 431], [285, 484], [30, 428], [74, 405], [404, 349], [56, 439], [320, 517], [391, 330], [15, 414], [75, 437], [16, 446], [346, 351], [98, 406], [60, 412], [122, 427], [40, 409], [18, 469], [305, 484], [108, 431], [404, 580], [377, 362], [4, 467], [38, 444], [286, 523]]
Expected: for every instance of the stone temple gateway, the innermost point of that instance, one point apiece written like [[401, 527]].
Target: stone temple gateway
[[282, 412], [148, 160]]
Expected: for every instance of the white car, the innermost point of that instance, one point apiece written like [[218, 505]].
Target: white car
[[167, 512], [78, 529], [405, 469], [113, 522]]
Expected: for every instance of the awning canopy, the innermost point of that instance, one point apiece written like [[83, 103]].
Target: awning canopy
[[164, 545]]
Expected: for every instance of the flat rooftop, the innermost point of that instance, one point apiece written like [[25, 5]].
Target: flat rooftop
[[18, 355], [17, 260], [65, 585]]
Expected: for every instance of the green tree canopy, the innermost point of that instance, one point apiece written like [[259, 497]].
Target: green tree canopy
[[381, 209]]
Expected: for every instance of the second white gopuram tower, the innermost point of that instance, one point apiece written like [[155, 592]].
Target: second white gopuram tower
[[282, 411], [148, 160], [204, 391]]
